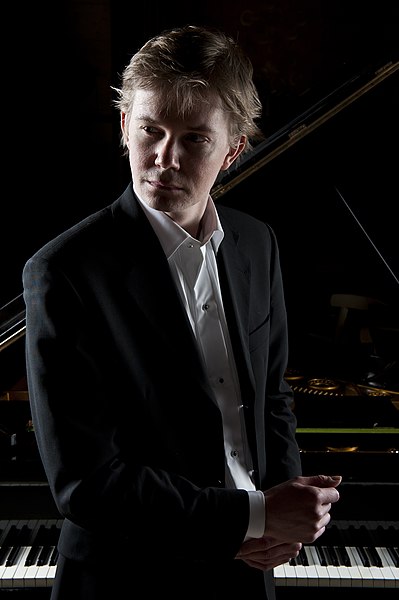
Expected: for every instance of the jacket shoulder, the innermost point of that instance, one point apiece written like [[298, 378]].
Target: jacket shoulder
[[245, 225], [91, 233]]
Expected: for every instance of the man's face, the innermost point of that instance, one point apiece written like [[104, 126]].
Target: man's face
[[175, 161]]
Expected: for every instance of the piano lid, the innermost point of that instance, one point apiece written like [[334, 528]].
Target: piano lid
[[303, 125]]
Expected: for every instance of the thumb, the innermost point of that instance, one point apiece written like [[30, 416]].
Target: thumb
[[322, 480]]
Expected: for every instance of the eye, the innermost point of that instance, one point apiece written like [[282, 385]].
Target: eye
[[197, 138], [150, 130]]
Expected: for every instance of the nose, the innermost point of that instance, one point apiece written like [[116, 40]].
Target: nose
[[167, 154]]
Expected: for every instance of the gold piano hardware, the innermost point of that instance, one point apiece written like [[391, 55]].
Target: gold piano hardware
[[345, 449], [296, 132], [349, 450], [14, 395], [335, 387]]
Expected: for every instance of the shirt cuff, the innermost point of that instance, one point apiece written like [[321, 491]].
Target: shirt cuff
[[257, 515]]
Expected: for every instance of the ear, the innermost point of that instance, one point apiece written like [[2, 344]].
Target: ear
[[124, 128], [234, 153]]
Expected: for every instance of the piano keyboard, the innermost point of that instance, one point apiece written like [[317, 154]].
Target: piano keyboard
[[349, 554], [28, 554]]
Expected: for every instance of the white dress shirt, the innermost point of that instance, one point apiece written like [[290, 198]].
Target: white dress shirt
[[194, 269]]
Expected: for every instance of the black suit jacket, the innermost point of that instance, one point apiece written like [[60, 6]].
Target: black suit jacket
[[127, 427]]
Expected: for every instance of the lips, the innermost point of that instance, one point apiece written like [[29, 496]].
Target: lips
[[160, 185]]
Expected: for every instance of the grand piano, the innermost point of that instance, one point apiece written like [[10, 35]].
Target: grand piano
[[326, 188]]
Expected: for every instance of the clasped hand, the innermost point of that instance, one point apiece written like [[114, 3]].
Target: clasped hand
[[297, 512]]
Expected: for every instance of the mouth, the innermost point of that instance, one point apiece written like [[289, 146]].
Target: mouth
[[164, 187]]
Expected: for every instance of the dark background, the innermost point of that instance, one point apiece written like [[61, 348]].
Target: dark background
[[63, 158]]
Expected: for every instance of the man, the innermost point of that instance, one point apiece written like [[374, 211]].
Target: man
[[156, 352]]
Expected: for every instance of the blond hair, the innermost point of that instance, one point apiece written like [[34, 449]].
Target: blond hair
[[191, 64]]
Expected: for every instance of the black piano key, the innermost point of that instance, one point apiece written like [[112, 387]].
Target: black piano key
[[4, 552], [304, 557], [321, 555], [37, 544], [363, 556], [32, 555], [44, 556], [54, 557], [8, 543], [328, 556], [22, 537], [343, 556], [12, 557], [394, 554], [301, 559], [334, 556], [374, 557]]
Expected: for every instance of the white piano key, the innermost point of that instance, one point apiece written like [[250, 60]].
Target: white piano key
[[30, 576], [43, 577], [334, 575], [279, 575], [290, 574], [322, 572], [16, 576], [391, 573], [378, 577], [3, 571], [301, 576], [313, 579], [9, 579], [344, 575], [5, 579], [355, 576], [354, 572], [51, 575], [287, 575], [313, 575], [367, 579]]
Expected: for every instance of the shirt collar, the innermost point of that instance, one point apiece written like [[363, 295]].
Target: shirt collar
[[171, 235]]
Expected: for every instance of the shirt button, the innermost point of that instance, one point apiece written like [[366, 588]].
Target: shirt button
[[190, 245], [234, 453], [221, 380], [205, 306]]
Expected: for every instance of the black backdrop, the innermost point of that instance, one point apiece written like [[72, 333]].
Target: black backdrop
[[62, 157]]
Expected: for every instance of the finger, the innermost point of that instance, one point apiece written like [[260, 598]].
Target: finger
[[329, 495], [321, 481], [260, 552], [257, 545], [269, 560], [329, 480]]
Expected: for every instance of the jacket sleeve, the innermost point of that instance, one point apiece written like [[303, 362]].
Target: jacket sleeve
[[99, 484]]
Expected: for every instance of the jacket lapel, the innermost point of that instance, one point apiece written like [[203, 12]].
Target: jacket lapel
[[149, 282], [235, 273]]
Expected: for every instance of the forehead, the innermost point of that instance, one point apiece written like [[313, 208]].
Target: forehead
[[156, 105]]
